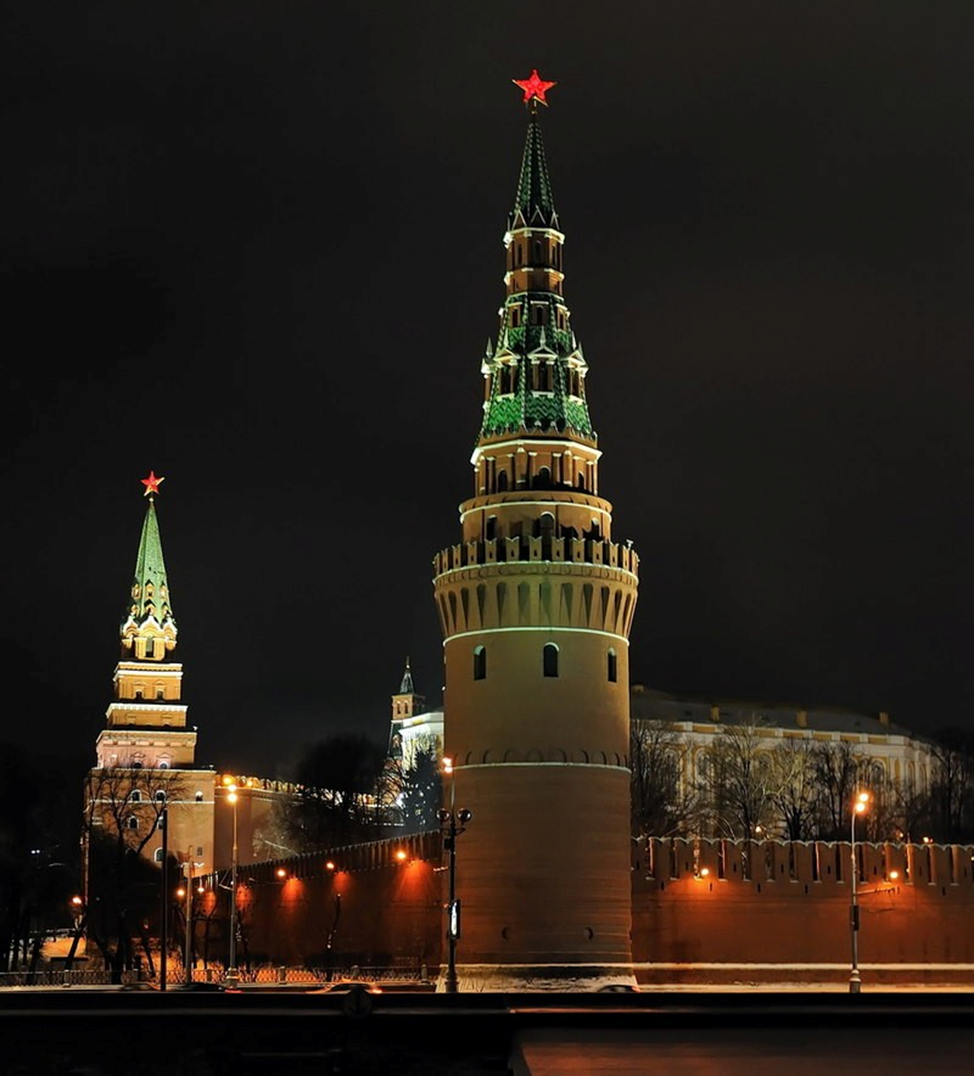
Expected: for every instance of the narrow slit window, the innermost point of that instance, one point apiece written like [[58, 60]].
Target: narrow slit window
[[480, 663], [612, 667], [550, 659]]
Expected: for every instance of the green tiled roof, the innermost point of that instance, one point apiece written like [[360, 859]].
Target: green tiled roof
[[534, 205], [150, 588]]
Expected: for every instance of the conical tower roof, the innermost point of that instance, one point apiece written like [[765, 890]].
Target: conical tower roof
[[534, 204], [150, 611], [536, 371]]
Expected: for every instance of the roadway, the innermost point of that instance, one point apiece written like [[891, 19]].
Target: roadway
[[111, 1033]]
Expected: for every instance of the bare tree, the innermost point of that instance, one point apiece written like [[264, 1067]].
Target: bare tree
[[840, 769], [738, 781], [338, 792], [663, 797], [952, 786], [122, 808], [793, 788]]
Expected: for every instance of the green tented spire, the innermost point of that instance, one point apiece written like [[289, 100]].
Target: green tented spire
[[536, 373], [534, 206], [149, 615]]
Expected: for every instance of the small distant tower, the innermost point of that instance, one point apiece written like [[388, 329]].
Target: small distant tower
[[536, 603], [413, 727]]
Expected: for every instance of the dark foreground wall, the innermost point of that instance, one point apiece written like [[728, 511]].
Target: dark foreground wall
[[693, 902]]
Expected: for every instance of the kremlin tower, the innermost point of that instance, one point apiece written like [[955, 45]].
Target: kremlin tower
[[145, 756], [536, 603]]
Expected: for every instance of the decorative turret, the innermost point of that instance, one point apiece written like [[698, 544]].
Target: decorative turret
[[536, 603]]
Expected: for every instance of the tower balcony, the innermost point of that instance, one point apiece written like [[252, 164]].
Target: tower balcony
[[527, 549]]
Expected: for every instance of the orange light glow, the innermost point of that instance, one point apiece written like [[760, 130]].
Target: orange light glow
[[281, 872], [329, 866], [893, 875], [401, 855]]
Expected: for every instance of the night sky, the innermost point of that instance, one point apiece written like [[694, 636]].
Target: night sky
[[258, 248]]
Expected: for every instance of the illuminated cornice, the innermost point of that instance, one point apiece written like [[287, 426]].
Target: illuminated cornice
[[543, 629]]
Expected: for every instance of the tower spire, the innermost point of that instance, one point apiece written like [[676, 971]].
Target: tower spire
[[149, 630]]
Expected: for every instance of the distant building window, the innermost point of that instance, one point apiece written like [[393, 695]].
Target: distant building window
[[613, 667], [157, 855], [199, 797], [163, 764], [132, 822], [480, 663], [550, 659], [160, 796], [136, 796]]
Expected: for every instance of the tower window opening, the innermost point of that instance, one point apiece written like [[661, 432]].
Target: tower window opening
[[612, 667], [502, 481], [550, 659], [490, 530], [480, 663]]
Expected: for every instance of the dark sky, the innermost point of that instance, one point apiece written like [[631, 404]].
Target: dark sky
[[257, 247]]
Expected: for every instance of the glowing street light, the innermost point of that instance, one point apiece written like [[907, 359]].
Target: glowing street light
[[452, 823], [232, 977], [859, 806]]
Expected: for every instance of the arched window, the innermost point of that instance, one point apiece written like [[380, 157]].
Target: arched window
[[135, 796], [612, 667], [160, 796], [480, 663], [502, 481], [550, 659], [163, 764], [491, 529], [157, 855], [132, 822], [199, 797]]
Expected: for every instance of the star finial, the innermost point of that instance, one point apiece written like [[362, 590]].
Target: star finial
[[534, 87], [151, 484]]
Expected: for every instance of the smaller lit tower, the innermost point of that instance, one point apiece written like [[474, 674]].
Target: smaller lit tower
[[147, 719]]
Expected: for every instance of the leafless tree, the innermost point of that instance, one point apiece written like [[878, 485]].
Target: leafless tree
[[122, 808], [738, 783], [663, 796]]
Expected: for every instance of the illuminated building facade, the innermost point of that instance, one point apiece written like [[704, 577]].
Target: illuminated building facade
[[536, 602]]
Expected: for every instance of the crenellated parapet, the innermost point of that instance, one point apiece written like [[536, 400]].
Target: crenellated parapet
[[535, 550]]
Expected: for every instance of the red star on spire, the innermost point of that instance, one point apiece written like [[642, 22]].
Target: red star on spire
[[151, 484], [534, 87]]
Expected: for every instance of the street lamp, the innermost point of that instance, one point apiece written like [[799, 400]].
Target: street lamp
[[452, 823], [858, 807], [232, 977]]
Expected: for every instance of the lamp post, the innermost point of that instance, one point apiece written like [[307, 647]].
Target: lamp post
[[452, 823], [232, 977], [858, 807], [164, 925]]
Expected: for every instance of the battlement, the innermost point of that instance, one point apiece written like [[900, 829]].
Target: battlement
[[526, 549]]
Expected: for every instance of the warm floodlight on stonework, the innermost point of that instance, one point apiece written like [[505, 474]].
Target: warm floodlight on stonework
[[859, 806]]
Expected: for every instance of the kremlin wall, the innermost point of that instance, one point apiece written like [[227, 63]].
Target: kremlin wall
[[703, 911]]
